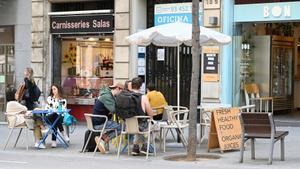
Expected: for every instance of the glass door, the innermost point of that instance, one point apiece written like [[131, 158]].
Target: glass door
[[282, 71]]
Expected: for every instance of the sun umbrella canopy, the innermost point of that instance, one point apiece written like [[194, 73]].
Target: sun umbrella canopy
[[176, 33]]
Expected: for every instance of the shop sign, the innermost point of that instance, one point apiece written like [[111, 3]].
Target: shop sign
[[82, 24], [225, 131], [173, 12], [282, 11]]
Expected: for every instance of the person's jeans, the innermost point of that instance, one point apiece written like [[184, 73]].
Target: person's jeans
[[140, 138], [110, 125]]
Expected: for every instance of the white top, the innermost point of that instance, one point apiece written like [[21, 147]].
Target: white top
[[53, 103]]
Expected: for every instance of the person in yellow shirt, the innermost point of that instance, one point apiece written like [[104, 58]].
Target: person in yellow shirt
[[157, 101]]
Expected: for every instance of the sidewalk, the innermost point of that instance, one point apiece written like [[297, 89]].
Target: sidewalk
[[71, 158]]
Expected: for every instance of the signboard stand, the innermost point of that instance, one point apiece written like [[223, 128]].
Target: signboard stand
[[225, 130]]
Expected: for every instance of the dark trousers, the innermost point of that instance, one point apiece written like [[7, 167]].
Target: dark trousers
[[52, 117]]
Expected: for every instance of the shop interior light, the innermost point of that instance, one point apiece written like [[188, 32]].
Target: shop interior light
[[93, 39], [107, 40]]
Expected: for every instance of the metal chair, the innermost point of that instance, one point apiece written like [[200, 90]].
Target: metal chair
[[90, 127], [260, 125], [132, 127], [178, 120], [16, 120], [252, 97]]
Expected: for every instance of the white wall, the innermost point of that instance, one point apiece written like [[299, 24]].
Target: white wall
[[17, 13]]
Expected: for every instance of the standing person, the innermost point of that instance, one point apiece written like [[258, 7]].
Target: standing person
[[106, 105], [157, 101], [28, 101], [28, 97], [55, 102], [143, 108]]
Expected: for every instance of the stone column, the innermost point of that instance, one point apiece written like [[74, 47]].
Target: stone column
[[40, 45], [121, 47]]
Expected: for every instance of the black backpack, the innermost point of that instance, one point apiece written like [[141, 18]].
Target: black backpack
[[128, 104], [37, 93]]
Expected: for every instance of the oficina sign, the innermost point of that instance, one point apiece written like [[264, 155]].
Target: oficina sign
[[173, 12], [283, 11], [81, 24]]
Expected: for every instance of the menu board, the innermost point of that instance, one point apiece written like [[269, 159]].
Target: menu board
[[210, 63], [225, 130]]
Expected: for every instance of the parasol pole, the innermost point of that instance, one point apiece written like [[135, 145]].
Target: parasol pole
[[178, 77]]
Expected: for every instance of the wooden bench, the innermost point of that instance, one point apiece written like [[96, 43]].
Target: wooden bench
[[260, 126]]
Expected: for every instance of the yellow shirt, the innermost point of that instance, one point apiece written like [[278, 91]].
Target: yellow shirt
[[157, 99]]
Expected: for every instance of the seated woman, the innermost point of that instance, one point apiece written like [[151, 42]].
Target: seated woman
[[157, 101], [55, 102]]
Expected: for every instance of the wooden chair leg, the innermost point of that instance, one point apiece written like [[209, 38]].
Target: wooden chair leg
[[271, 151], [282, 149], [252, 148]]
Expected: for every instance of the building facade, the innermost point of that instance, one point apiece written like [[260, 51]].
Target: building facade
[[265, 50], [54, 62], [15, 46]]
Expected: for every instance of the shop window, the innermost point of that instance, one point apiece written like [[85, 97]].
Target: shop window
[[87, 66]]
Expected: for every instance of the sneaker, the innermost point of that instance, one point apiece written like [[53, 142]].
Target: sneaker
[[53, 144], [67, 139], [101, 145], [42, 145], [135, 150], [144, 149]]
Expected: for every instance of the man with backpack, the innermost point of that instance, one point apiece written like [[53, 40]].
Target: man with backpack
[[133, 103], [105, 105]]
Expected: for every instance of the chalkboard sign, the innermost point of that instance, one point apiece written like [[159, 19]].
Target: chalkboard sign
[[225, 130], [210, 63]]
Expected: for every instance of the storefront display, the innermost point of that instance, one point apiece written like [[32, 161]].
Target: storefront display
[[275, 30], [86, 67], [82, 57]]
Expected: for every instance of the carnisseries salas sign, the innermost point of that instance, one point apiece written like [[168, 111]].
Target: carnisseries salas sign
[[81, 24]]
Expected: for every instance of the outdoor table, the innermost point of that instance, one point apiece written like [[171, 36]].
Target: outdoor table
[[205, 114], [50, 125]]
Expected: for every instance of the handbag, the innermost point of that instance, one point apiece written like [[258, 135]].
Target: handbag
[[70, 120], [20, 92]]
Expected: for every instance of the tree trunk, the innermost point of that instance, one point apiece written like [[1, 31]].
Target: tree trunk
[[192, 140]]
